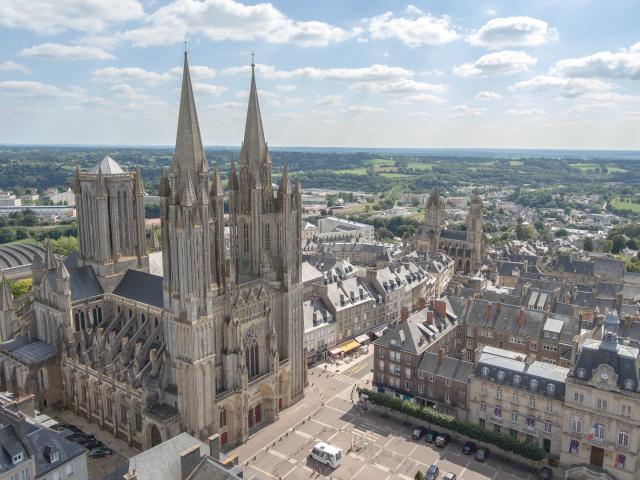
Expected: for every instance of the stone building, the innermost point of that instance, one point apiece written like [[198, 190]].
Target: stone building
[[465, 247], [510, 394], [601, 422], [215, 345]]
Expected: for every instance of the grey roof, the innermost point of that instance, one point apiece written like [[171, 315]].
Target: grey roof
[[554, 325], [209, 469], [11, 445], [43, 439], [310, 273], [141, 287], [624, 360], [34, 352], [83, 283], [19, 254], [108, 166], [449, 367], [544, 374], [453, 234]]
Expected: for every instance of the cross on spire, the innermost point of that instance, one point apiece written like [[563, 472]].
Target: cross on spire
[[253, 65], [185, 46]]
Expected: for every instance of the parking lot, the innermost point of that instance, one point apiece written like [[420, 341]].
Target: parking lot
[[374, 448]]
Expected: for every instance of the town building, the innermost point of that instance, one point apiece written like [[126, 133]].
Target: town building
[[340, 229], [8, 199]]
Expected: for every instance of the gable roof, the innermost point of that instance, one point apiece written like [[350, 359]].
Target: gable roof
[[141, 287], [83, 283], [108, 166]]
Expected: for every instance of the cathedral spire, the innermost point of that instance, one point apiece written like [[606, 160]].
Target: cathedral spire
[[216, 183], [285, 184], [164, 189], [233, 179], [50, 259], [6, 299], [138, 186], [189, 154], [254, 149], [78, 187]]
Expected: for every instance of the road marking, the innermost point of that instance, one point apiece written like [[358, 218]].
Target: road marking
[[262, 471], [282, 456]]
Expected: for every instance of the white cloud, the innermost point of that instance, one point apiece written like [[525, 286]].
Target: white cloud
[[420, 29], [503, 62], [11, 66], [419, 98], [513, 32], [286, 88], [230, 20], [490, 12], [30, 89], [363, 109], [124, 90], [466, 111], [208, 89], [613, 65], [51, 17], [488, 95], [58, 51], [566, 87], [196, 71], [373, 72], [526, 112], [330, 100], [122, 74], [397, 86]]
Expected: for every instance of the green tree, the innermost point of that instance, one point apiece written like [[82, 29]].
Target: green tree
[[419, 475], [618, 243], [65, 245], [607, 245], [632, 244], [20, 287], [588, 244], [561, 232]]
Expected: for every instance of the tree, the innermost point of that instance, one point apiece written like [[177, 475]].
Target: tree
[[20, 287], [561, 232], [65, 245], [588, 244], [607, 245], [632, 244], [419, 476], [618, 243]]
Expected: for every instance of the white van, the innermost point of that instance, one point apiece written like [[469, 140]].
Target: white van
[[327, 454]]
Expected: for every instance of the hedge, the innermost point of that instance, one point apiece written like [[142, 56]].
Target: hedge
[[501, 440]]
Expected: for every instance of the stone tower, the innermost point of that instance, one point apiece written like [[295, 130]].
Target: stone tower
[[7, 312], [475, 229], [435, 215], [265, 238], [192, 232], [111, 230]]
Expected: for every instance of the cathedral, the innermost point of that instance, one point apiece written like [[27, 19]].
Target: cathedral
[[465, 247], [215, 344]]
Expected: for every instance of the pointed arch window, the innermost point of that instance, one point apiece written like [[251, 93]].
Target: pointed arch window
[[223, 417], [251, 353], [267, 237], [245, 234]]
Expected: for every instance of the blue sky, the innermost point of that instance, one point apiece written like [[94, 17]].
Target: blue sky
[[530, 74]]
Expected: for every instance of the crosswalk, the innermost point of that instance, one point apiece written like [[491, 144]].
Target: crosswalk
[[343, 378]]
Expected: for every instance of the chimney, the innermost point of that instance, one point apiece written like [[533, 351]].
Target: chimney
[[404, 314], [440, 356], [189, 460], [422, 304], [214, 446], [440, 306], [521, 317], [430, 317]]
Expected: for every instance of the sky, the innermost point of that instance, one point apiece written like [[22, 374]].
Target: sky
[[330, 73]]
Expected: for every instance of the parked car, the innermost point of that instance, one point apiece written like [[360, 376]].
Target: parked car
[[418, 433], [545, 473], [449, 476], [101, 452], [86, 440], [482, 454], [469, 447], [431, 436], [93, 444], [442, 440], [432, 473], [66, 426]]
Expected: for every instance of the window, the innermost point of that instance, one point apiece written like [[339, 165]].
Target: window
[[483, 390], [251, 354], [447, 382], [267, 237], [138, 421], [601, 405], [499, 393], [531, 422], [628, 384], [514, 398], [123, 413], [447, 397], [599, 431], [551, 388], [500, 376], [245, 235], [513, 433], [420, 374], [581, 372], [485, 371], [516, 379], [482, 422], [533, 384], [54, 457], [432, 378], [625, 410], [407, 373], [578, 398], [547, 426], [421, 388], [470, 356], [532, 402], [498, 411], [576, 425], [548, 408], [623, 439], [430, 392], [68, 469], [470, 332], [574, 447], [407, 385], [620, 459], [17, 458], [483, 407], [533, 346], [381, 353], [514, 417], [469, 342]]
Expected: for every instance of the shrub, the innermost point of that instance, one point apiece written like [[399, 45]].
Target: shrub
[[503, 441]]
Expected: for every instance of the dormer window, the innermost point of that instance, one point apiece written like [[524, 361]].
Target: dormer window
[[581, 372], [54, 457], [500, 375], [17, 458], [485, 371], [629, 384], [516, 379], [551, 388]]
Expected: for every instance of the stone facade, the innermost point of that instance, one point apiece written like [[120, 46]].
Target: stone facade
[[215, 345]]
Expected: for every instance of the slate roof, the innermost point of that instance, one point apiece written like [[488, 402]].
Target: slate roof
[[18, 254], [43, 438], [449, 367], [141, 287], [83, 283], [11, 445], [34, 352], [454, 234], [108, 166]]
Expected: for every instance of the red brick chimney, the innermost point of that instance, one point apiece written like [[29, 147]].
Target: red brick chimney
[[440, 307], [430, 317], [440, 356], [521, 317]]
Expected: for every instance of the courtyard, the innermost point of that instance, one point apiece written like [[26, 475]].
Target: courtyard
[[374, 448]]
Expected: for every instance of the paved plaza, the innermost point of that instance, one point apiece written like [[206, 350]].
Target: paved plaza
[[378, 448]]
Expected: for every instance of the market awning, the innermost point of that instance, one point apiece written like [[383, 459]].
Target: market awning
[[335, 351], [362, 339], [348, 346]]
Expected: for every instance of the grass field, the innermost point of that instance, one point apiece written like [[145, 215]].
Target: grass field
[[614, 169], [353, 171], [516, 163], [584, 166], [622, 205], [420, 166], [395, 175]]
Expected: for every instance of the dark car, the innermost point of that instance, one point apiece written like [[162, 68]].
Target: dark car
[[418, 433], [80, 437], [432, 473], [545, 473], [66, 426], [469, 447], [86, 440], [482, 454], [93, 444], [100, 452], [431, 436], [442, 440]]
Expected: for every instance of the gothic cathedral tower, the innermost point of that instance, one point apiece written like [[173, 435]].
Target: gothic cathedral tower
[[475, 229]]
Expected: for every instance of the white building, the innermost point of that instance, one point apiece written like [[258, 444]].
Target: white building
[[330, 227]]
